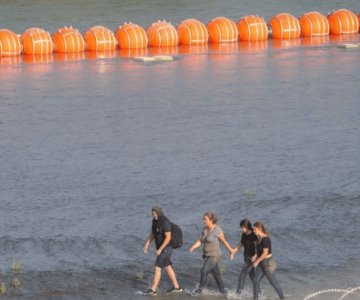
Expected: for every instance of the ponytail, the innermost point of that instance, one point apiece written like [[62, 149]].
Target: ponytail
[[246, 223]]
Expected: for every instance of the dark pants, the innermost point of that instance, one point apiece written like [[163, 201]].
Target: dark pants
[[246, 269], [267, 267], [211, 267]]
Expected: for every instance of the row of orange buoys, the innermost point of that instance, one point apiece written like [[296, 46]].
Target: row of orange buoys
[[188, 32]]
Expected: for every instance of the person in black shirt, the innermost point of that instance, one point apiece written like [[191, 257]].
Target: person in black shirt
[[264, 261], [161, 233], [249, 242]]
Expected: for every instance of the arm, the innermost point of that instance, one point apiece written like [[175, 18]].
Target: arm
[[165, 243], [261, 257], [237, 247], [194, 246], [255, 255], [222, 238], [148, 243], [235, 250]]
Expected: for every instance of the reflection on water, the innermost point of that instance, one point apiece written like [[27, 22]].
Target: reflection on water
[[315, 41]]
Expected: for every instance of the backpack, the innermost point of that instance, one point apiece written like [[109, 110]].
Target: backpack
[[176, 236]]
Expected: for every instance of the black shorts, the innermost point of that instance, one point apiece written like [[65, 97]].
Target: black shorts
[[163, 260]]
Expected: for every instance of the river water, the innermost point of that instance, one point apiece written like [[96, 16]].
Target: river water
[[267, 131]]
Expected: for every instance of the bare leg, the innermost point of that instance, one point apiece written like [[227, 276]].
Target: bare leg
[[171, 273], [156, 280]]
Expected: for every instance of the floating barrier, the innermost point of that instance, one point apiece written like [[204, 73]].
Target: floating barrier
[[68, 40], [252, 28], [222, 30], [314, 24], [100, 38], [131, 36], [37, 41], [192, 32], [161, 37], [285, 26], [162, 34], [10, 44], [343, 21]]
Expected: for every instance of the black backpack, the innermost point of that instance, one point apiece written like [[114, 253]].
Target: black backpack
[[176, 236]]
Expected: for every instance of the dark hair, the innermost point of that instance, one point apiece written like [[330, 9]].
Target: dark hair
[[261, 227], [211, 217], [158, 210], [246, 223]]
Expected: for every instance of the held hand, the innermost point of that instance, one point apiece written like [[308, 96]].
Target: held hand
[[145, 249], [234, 250], [255, 264], [158, 252], [232, 256]]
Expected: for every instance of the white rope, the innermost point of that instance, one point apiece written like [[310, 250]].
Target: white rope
[[344, 291]]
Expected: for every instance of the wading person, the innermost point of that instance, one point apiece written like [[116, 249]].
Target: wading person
[[248, 242], [264, 262], [161, 233], [210, 238]]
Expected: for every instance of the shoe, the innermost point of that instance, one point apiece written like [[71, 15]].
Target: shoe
[[197, 291], [224, 291], [175, 290], [150, 292]]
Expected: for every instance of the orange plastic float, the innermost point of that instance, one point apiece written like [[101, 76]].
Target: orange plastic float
[[192, 32], [131, 36], [100, 38], [252, 28], [222, 30], [37, 41], [68, 40], [314, 24], [162, 34], [10, 44], [343, 21], [285, 26]]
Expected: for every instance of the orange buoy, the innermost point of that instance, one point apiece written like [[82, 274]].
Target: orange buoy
[[10, 44], [99, 38], [162, 34], [192, 32], [314, 24], [37, 41], [131, 36], [285, 26], [222, 30], [252, 28], [68, 40], [343, 21]]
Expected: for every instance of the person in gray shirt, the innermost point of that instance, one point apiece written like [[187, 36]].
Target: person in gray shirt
[[211, 239]]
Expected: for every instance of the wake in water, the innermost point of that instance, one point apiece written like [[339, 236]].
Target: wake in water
[[345, 293]]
